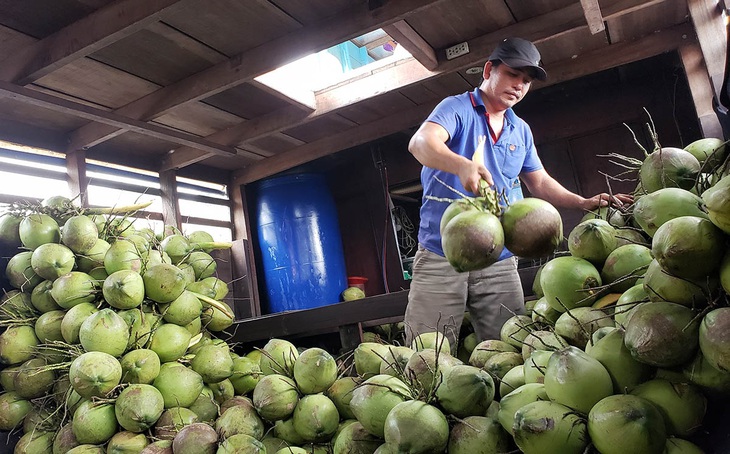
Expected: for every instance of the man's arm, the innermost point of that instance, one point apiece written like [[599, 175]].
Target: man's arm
[[428, 145], [542, 185]]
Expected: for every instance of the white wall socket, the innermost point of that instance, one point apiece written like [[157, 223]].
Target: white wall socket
[[457, 50]]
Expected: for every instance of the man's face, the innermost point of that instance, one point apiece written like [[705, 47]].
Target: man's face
[[505, 86]]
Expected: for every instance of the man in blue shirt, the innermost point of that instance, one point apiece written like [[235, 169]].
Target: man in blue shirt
[[445, 144]]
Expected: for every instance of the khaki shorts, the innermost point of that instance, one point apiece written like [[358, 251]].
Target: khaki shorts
[[439, 297]]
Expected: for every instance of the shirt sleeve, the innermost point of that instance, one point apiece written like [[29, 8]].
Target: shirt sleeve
[[446, 115]]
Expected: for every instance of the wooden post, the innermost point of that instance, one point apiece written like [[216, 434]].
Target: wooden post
[[170, 202], [701, 89], [244, 283], [709, 22], [76, 176]]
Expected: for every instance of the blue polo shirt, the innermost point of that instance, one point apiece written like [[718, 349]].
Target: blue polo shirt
[[464, 117]]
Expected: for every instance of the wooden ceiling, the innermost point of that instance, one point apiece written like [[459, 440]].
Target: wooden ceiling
[[170, 84]]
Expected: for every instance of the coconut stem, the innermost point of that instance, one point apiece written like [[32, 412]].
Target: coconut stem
[[215, 304], [117, 210]]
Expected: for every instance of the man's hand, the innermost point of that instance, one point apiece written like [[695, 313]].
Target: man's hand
[[604, 199], [471, 173]]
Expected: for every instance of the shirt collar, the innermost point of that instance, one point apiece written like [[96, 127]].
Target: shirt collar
[[478, 103]]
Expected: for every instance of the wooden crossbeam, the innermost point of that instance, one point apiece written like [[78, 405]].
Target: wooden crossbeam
[[84, 37], [409, 72], [597, 60], [592, 12], [245, 66], [407, 37], [95, 114]]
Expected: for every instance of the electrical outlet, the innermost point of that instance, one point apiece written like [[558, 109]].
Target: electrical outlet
[[457, 50]]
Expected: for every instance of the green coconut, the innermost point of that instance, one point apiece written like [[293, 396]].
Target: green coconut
[[74, 288], [424, 369], [576, 380], [472, 240], [662, 334], [278, 357], [532, 227], [627, 302], [354, 439], [717, 203], [512, 380], [315, 418], [660, 285], [570, 282], [712, 381], [94, 423], [374, 398], [535, 366], [510, 403], [246, 374], [668, 167], [138, 407], [682, 405], [624, 423], [688, 247], [179, 385], [542, 340], [625, 371], [709, 151], [543, 312], [680, 446], [653, 210], [341, 394], [94, 374], [239, 419], [578, 325], [275, 397], [545, 426], [213, 362], [315, 371], [714, 337], [592, 240], [433, 429], [624, 266], [435, 340], [478, 435], [488, 348], [515, 329], [396, 359], [465, 391]]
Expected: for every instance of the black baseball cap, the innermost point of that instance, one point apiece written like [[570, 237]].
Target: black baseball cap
[[519, 53]]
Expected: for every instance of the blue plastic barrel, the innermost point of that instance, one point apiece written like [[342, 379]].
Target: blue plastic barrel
[[299, 238]]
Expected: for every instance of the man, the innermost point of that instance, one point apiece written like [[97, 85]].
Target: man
[[445, 144]]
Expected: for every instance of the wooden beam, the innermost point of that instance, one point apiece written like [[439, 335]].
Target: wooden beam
[[540, 29], [711, 32], [76, 176], [170, 202], [69, 107], [332, 144], [701, 89], [407, 37], [83, 37], [401, 75], [592, 12], [245, 66], [251, 129], [619, 54], [325, 317], [280, 86], [613, 56]]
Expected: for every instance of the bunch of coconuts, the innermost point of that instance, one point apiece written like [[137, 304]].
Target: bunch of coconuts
[[109, 332]]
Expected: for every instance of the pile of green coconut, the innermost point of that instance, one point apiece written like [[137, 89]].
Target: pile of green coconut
[[109, 334], [115, 345]]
